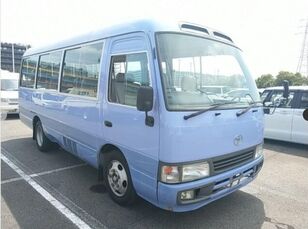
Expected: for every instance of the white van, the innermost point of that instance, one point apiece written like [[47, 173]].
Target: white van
[[9, 93], [287, 122]]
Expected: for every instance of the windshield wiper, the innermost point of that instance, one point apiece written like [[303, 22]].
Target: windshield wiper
[[212, 107], [251, 105]]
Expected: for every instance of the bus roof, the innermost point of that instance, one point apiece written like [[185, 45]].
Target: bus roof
[[130, 27]]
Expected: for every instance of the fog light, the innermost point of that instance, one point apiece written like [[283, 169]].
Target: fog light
[[188, 195]]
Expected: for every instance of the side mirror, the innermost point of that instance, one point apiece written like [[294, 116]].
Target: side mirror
[[305, 114], [285, 89], [145, 98], [145, 103]]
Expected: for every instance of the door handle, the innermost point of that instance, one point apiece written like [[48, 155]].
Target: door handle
[[108, 123]]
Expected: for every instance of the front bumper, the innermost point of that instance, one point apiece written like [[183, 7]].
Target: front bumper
[[10, 109], [209, 189]]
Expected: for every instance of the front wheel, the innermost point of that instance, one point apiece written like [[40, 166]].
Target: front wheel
[[117, 178], [42, 142]]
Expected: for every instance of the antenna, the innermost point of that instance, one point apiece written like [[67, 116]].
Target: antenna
[[302, 66]]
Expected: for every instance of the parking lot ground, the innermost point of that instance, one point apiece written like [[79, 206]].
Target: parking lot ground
[[276, 199]]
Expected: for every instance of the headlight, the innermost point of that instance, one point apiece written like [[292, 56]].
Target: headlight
[[195, 171], [259, 151], [4, 100], [184, 173]]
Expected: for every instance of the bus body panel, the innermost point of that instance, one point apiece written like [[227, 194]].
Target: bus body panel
[[26, 112], [208, 135], [80, 124]]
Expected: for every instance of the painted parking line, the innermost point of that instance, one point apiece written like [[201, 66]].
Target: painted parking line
[[46, 195], [11, 180], [84, 215], [44, 173]]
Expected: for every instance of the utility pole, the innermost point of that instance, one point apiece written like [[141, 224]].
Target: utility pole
[[302, 66], [13, 56]]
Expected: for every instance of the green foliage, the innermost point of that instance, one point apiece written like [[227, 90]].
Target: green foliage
[[265, 81], [294, 79]]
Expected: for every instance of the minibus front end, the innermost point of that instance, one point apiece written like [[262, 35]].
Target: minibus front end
[[211, 144]]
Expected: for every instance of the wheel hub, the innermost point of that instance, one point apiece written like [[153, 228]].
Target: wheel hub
[[117, 178], [39, 135]]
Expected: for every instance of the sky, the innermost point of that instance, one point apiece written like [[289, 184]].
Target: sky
[[270, 32]]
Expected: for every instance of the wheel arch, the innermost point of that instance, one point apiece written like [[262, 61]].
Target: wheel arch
[[107, 148]]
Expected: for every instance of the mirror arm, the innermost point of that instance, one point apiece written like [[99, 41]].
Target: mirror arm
[[149, 120]]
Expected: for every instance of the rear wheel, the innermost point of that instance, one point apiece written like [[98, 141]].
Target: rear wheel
[[42, 142], [117, 178]]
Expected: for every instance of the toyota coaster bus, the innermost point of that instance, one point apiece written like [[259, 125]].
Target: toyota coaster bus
[[132, 100]]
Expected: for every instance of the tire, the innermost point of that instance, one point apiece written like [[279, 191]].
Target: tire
[[42, 142], [117, 179]]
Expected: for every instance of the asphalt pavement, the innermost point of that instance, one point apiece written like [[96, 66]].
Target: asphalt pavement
[[58, 190]]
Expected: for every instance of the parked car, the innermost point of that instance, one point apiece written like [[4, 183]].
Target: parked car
[[286, 122], [9, 93], [237, 93], [218, 90]]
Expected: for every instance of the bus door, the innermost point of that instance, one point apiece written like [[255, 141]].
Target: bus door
[[130, 66]]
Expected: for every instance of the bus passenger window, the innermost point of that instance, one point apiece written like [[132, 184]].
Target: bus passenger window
[[48, 71], [81, 69], [127, 74], [28, 72]]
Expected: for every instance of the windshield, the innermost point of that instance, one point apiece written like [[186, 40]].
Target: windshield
[[198, 72], [9, 85]]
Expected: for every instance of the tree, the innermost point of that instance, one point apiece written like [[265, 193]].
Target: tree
[[294, 79], [305, 80], [265, 81]]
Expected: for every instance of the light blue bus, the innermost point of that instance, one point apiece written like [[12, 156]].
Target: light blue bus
[[136, 101]]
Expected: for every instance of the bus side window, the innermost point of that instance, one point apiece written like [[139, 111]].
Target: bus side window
[[48, 70], [28, 71], [81, 70], [128, 73]]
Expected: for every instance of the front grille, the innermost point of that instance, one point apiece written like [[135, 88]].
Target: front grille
[[229, 162], [13, 100]]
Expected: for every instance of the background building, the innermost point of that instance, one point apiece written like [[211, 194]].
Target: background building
[[11, 55]]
